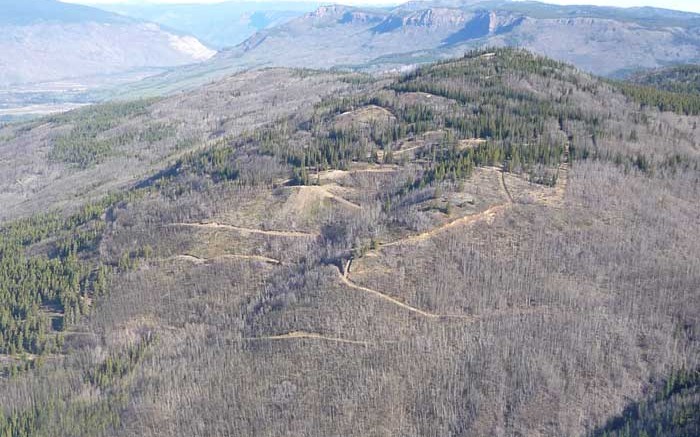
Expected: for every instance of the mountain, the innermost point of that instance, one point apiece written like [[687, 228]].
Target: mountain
[[603, 40], [497, 244], [46, 40], [218, 25]]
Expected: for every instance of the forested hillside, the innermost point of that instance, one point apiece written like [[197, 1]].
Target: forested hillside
[[684, 79], [76, 157], [496, 244]]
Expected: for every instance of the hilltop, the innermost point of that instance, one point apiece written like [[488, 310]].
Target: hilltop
[[497, 244]]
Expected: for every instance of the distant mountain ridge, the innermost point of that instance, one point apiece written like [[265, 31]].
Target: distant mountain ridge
[[602, 40], [606, 41], [46, 40]]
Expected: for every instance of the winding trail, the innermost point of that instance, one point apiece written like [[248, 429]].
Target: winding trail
[[243, 230], [296, 335], [345, 201], [190, 258], [563, 174], [464, 318], [327, 194], [198, 260], [303, 335], [402, 151], [504, 187], [346, 280], [333, 175], [384, 169], [344, 270], [487, 214]]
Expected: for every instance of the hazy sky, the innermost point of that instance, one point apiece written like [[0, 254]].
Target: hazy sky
[[686, 5]]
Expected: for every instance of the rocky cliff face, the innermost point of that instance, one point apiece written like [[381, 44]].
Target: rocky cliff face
[[605, 41]]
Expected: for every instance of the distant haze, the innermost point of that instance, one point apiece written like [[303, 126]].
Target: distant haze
[[137, 2], [681, 5]]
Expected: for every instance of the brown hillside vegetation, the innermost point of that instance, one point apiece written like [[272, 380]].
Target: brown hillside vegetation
[[93, 151], [289, 281]]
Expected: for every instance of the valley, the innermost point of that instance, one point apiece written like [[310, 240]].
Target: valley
[[102, 50], [57, 55]]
